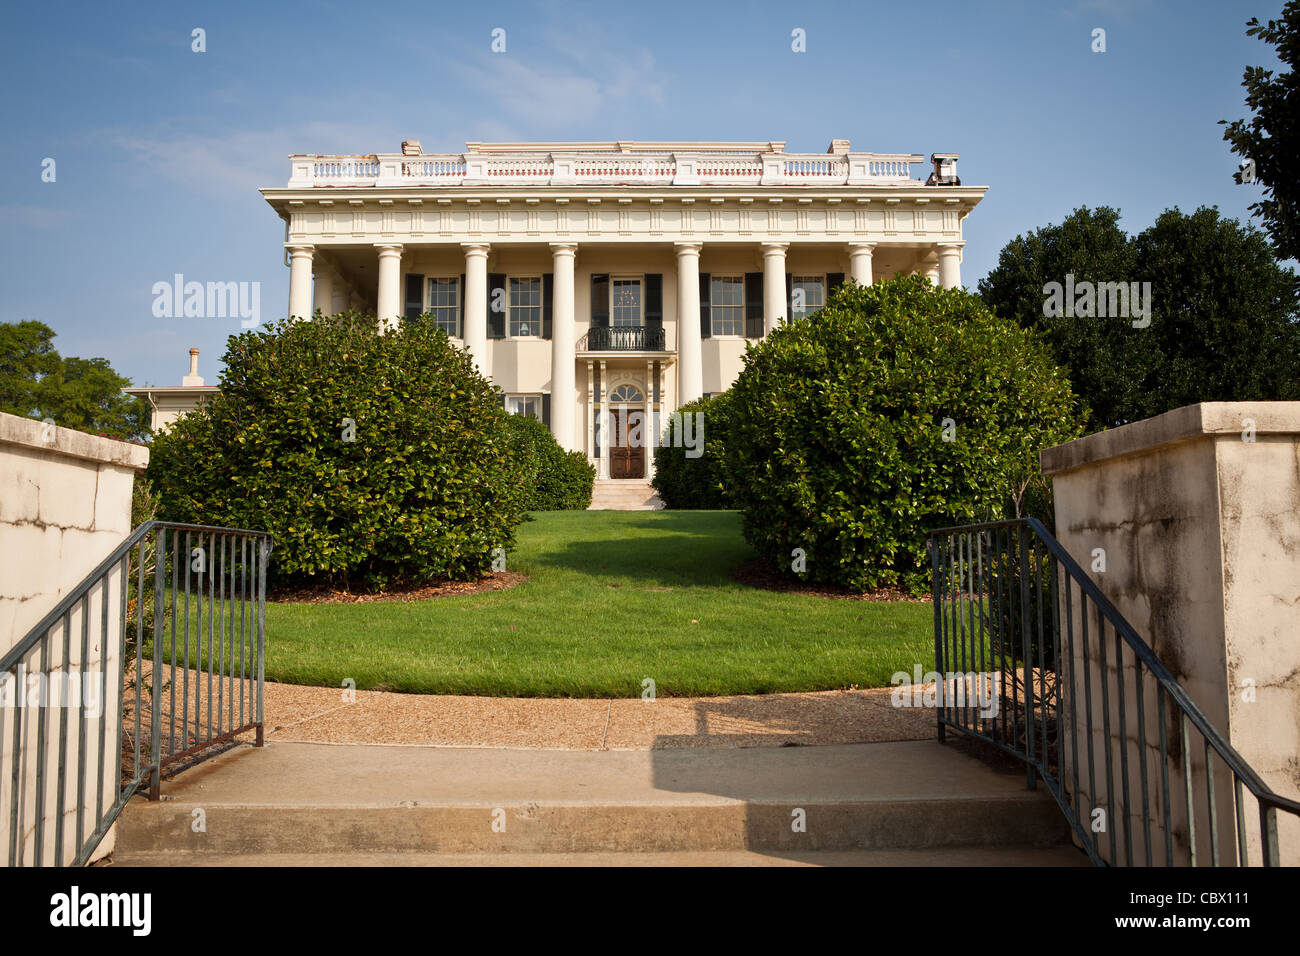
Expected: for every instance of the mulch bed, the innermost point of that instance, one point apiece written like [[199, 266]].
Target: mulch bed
[[758, 574], [325, 594]]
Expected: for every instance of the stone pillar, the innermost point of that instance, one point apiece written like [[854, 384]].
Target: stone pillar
[[929, 267], [324, 298], [563, 378], [1189, 515], [388, 297], [950, 265], [860, 261], [602, 468], [300, 281], [774, 299], [476, 302], [690, 356], [342, 299]]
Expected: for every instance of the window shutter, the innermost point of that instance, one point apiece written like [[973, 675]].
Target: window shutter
[[548, 303], [497, 320], [833, 282], [654, 301], [546, 410], [503, 399], [460, 297], [599, 300], [706, 322], [414, 305], [789, 298], [753, 305]]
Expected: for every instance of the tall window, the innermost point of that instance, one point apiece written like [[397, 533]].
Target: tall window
[[530, 405], [807, 295], [625, 303], [444, 304], [727, 304], [526, 306]]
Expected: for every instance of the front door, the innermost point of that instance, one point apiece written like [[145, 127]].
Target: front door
[[627, 447]]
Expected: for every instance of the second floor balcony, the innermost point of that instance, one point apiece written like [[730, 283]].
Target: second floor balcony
[[635, 338]]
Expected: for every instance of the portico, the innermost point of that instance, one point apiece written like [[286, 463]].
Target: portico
[[602, 285]]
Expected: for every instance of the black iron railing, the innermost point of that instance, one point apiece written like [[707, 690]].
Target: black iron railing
[[151, 662], [1038, 662], [635, 338]]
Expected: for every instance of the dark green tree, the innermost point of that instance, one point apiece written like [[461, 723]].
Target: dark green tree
[[1271, 140], [26, 355]]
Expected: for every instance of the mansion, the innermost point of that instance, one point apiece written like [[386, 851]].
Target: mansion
[[600, 285]]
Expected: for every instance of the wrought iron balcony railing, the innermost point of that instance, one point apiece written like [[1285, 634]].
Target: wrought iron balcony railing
[[635, 338]]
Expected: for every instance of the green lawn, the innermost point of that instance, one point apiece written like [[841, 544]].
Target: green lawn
[[612, 598]]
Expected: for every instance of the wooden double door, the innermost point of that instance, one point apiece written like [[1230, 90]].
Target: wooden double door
[[629, 434]]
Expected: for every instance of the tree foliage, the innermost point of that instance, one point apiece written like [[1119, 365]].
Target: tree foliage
[[1271, 140], [895, 409], [551, 478], [1223, 312], [683, 481]]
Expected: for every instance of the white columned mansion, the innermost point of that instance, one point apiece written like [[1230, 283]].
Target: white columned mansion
[[601, 285]]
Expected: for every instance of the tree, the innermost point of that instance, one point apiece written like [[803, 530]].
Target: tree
[[26, 355], [1271, 141], [1222, 323], [895, 409], [85, 394], [379, 458]]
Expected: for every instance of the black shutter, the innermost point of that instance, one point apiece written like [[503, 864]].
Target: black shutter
[[548, 303], [546, 410], [833, 282], [753, 305], [503, 399], [654, 308], [599, 300], [789, 298], [460, 319], [706, 322], [414, 306], [497, 320]]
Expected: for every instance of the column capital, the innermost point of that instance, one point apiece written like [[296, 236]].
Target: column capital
[[564, 248], [300, 248], [476, 248], [388, 249], [862, 247], [772, 248], [688, 248], [955, 246]]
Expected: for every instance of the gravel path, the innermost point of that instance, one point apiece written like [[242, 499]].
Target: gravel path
[[320, 714]]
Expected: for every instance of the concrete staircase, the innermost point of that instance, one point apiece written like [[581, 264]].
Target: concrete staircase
[[624, 494], [917, 803]]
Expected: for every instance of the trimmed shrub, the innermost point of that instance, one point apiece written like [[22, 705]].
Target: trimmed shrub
[[383, 458], [551, 479], [700, 482], [897, 408]]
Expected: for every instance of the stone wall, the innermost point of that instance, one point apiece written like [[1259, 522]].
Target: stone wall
[[65, 503]]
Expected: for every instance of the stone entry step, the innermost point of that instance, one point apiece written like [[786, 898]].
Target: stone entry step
[[615, 494], [341, 800]]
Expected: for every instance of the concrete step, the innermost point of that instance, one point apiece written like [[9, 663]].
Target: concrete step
[[610, 494], [332, 800]]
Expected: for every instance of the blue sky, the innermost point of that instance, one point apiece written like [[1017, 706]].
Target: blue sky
[[160, 150]]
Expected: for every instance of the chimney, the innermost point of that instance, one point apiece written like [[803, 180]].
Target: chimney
[[193, 378], [411, 147], [838, 147]]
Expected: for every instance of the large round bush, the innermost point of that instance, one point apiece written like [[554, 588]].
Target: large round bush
[[375, 458], [685, 479], [551, 478], [895, 409]]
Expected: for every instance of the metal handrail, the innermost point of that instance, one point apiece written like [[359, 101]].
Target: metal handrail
[[630, 338], [234, 578], [957, 540]]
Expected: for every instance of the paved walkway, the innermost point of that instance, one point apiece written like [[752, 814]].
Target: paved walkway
[[321, 715]]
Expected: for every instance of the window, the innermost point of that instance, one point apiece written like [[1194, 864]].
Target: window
[[807, 295], [727, 304], [530, 405], [625, 303], [444, 304], [526, 306], [626, 395]]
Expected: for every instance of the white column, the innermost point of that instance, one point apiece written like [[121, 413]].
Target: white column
[[300, 281], [860, 261], [950, 265], [648, 431], [690, 358], [591, 411], [929, 267], [324, 298], [342, 296], [602, 469], [563, 385], [476, 302], [774, 299], [388, 298]]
